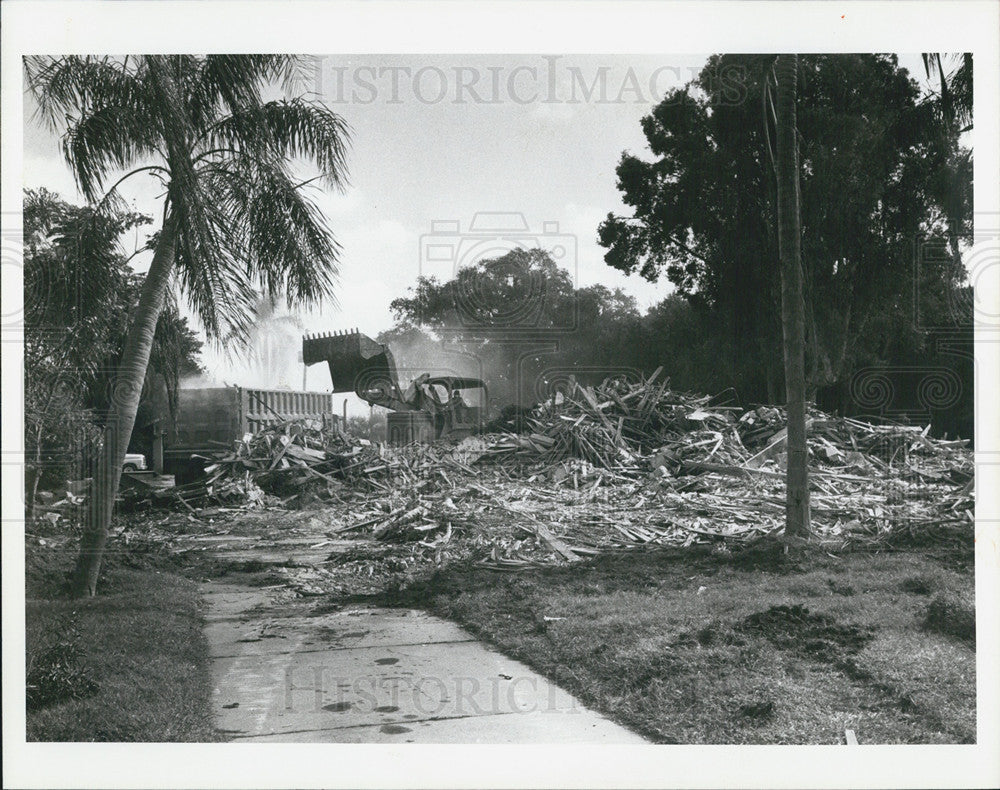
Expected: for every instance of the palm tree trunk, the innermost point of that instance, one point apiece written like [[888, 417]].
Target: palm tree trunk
[[792, 305], [121, 420]]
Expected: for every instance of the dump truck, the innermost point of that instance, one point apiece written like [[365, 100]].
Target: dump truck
[[210, 419], [428, 408]]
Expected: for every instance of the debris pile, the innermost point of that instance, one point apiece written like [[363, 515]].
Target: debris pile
[[597, 469], [60, 507], [283, 460], [610, 426]]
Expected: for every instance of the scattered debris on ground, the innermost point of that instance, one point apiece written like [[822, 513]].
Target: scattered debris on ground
[[598, 469]]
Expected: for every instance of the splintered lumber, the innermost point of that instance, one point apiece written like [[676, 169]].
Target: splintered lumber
[[603, 467], [556, 544]]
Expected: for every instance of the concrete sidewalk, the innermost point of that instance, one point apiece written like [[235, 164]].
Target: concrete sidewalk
[[285, 670]]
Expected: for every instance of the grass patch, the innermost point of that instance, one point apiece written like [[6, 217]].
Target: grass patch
[[129, 665], [691, 646], [952, 615]]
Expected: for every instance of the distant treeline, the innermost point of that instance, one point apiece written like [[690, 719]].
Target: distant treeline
[[517, 322], [886, 203]]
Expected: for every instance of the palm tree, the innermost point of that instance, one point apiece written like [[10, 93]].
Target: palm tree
[[235, 223], [792, 305], [954, 111], [955, 97]]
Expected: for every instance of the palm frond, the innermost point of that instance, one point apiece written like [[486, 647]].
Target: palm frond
[[297, 128], [214, 280], [290, 245], [106, 139], [275, 228], [233, 82], [66, 86], [242, 226]]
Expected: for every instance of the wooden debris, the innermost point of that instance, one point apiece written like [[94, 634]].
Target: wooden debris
[[599, 468]]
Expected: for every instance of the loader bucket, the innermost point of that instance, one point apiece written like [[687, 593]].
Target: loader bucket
[[357, 364]]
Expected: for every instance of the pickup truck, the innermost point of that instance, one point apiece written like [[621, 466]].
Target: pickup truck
[[134, 462]]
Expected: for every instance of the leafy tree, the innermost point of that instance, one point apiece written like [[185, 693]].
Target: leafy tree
[[235, 220], [683, 339], [78, 291], [871, 158], [371, 427], [512, 318]]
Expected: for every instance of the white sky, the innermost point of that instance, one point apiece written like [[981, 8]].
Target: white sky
[[442, 138]]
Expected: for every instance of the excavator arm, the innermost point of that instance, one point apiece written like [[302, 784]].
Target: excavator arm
[[365, 367], [360, 365]]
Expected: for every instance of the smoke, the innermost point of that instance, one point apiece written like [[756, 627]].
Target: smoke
[[417, 353], [199, 381], [272, 358]]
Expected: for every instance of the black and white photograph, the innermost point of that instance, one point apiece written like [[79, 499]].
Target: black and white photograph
[[371, 391]]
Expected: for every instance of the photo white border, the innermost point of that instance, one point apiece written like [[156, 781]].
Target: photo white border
[[530, 28]]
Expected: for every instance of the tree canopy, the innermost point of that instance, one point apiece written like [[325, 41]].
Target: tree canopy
[[79, 291], [875, 183]]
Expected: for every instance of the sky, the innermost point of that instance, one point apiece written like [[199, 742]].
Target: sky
[[437, 140]]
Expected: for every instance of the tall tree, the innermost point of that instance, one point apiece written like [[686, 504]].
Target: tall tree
[[792, 305], [873, 179], [954, 110], [234, 218]]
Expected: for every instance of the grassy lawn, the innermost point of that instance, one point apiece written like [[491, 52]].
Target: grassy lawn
[[129, 665], [700, 646]]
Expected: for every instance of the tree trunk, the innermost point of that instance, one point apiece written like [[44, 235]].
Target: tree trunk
[[121, 419], [35, 476], [792, 305]]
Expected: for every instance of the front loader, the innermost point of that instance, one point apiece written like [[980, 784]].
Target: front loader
[[430, 407]]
